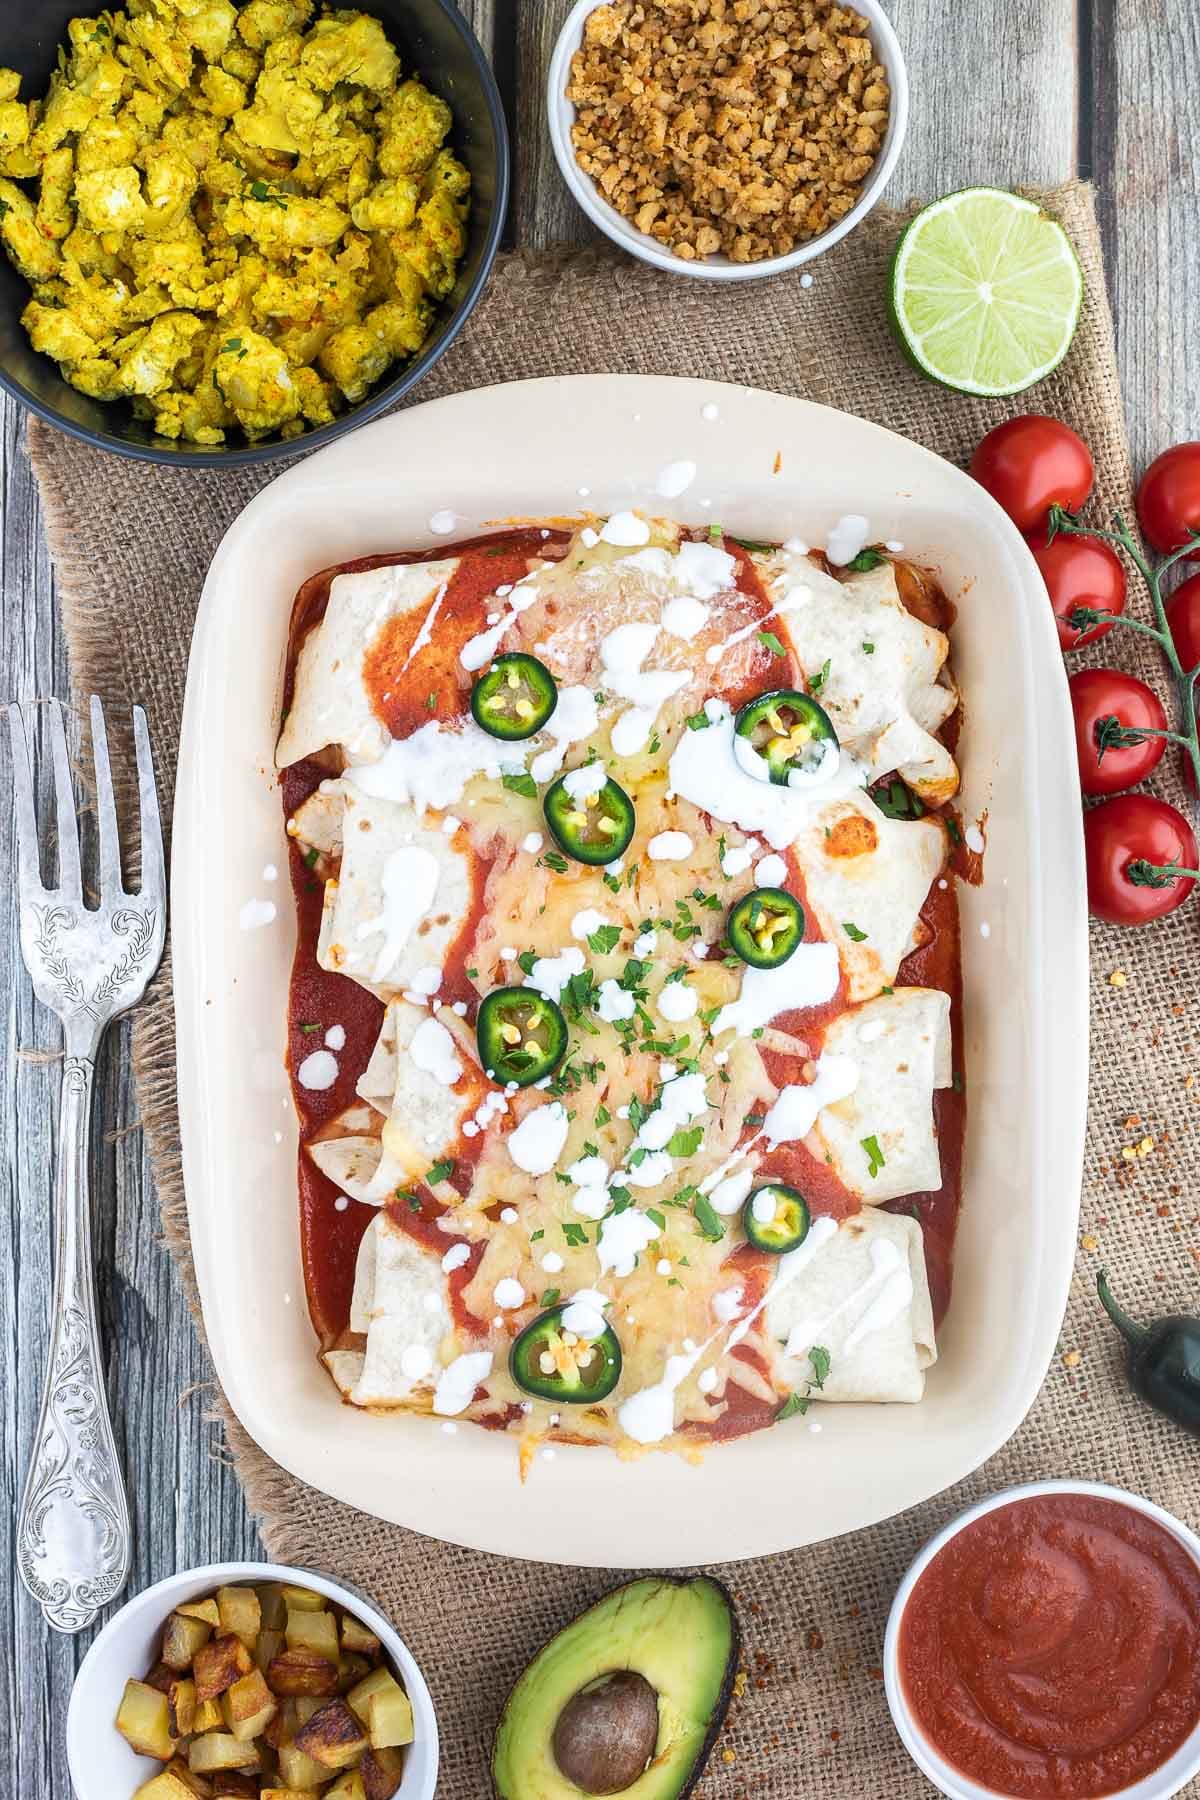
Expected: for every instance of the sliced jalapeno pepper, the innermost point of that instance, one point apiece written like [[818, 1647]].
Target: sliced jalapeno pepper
[[515, 698], [765, 926], [593, 827], [521, 1035], [785, 737], [776, 1218], [560, 1365]]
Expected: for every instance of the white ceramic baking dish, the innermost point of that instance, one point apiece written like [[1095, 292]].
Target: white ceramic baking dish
[[767, 466]]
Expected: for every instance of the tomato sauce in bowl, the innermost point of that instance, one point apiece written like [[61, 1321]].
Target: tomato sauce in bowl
[[1047, 1647]]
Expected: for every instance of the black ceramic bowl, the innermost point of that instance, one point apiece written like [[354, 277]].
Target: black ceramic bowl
[[435, 43]]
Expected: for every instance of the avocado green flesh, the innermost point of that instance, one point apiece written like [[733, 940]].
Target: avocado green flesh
[[681, 1635]]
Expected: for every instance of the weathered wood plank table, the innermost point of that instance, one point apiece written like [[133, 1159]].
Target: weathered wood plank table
[[1108, 89]]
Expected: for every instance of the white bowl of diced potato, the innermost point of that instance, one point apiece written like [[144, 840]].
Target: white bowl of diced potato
[[249, 1679]]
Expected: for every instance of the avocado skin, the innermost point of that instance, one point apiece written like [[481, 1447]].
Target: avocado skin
[[532, 1774]]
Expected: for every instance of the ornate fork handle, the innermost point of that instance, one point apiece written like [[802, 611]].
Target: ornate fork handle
[[73, 1535]]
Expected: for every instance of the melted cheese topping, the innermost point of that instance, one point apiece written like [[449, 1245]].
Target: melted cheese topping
[[621, 1174]]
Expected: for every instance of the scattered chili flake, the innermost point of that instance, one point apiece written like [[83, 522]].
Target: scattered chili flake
[[1118, 979], [1072, 1358], [815, 1640], [1089, 1241]]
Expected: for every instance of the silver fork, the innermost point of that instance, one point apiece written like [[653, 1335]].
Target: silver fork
[[88, 966]]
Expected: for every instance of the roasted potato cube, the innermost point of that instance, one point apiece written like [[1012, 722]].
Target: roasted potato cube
[[272, 1606], [231, 1783], [298, 1599], [181, 1706], [351, 1670], [333, 1736], [219, 1664], [240, 1613], [248, 1706], [313, 1631], [297, 1672], [143, 1721], [270, 1643], [207, 1610], [183, 1639], [167, 1786], [245, 1703], [356, 1637], [208, 1715], [218, 1750], [377, 1682], [390, 1719], [381, 1771], [348, 1786], [197, 1785], [288, 1794], [162, 1678], [300, 1771]]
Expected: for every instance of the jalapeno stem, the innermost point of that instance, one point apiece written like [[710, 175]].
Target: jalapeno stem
[[1121, 538], [1129, 1328]]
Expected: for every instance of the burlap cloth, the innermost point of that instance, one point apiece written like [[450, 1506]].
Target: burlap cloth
[[132, 544]]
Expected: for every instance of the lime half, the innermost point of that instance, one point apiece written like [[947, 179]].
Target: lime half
[[985, 291]]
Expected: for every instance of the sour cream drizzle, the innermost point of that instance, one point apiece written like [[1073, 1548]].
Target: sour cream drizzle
[[648, 1416]]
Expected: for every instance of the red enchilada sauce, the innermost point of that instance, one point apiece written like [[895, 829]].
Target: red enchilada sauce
[[1051, 1650]]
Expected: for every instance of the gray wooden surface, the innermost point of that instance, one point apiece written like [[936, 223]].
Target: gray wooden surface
[[1003, 91]]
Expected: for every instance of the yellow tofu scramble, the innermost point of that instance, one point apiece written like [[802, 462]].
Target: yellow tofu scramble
[[237, 217]]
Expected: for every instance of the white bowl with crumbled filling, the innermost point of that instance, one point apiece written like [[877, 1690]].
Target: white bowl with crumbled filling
[[716, 266]]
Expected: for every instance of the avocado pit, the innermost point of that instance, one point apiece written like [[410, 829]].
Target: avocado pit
[[607, 1732]]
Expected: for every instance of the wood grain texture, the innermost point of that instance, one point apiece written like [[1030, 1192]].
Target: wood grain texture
[[999, 95]]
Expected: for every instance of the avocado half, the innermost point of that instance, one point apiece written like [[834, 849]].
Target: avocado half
[[679, 1633]]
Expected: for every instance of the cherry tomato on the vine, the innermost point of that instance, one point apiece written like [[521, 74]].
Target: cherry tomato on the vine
[[1079, 571], [1168, 498], [1183, 616], [1132, 845], [1032, 463], [1106, 704]]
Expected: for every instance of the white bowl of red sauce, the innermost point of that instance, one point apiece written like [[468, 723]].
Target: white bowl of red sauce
[[1046, 1646]]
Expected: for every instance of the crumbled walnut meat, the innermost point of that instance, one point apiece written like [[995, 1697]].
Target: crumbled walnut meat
[[747, 126]]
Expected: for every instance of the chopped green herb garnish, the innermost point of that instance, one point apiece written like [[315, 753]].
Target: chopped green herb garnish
[[875, 1157], [709, 1220], [550, 1296], [771, 642], [686, 1142], [521, 784], [866, 559], [552, 860], [574, 1234], [853, 933], [604, 939], [820, 678], [656, 1218], [602, 1115], [697, 721], [441, 1171]]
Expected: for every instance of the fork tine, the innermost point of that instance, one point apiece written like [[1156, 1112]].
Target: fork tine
[[28, 854], [106, 807], [70, 879], [153, 876]]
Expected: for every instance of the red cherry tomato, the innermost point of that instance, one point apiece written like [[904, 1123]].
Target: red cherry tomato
[[1079, 571], [1128, 843], [1168, 498], [1183, 616], [1098, 698], [1030, 463]]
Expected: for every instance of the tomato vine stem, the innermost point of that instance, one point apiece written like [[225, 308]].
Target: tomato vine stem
[[1121, 538]]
